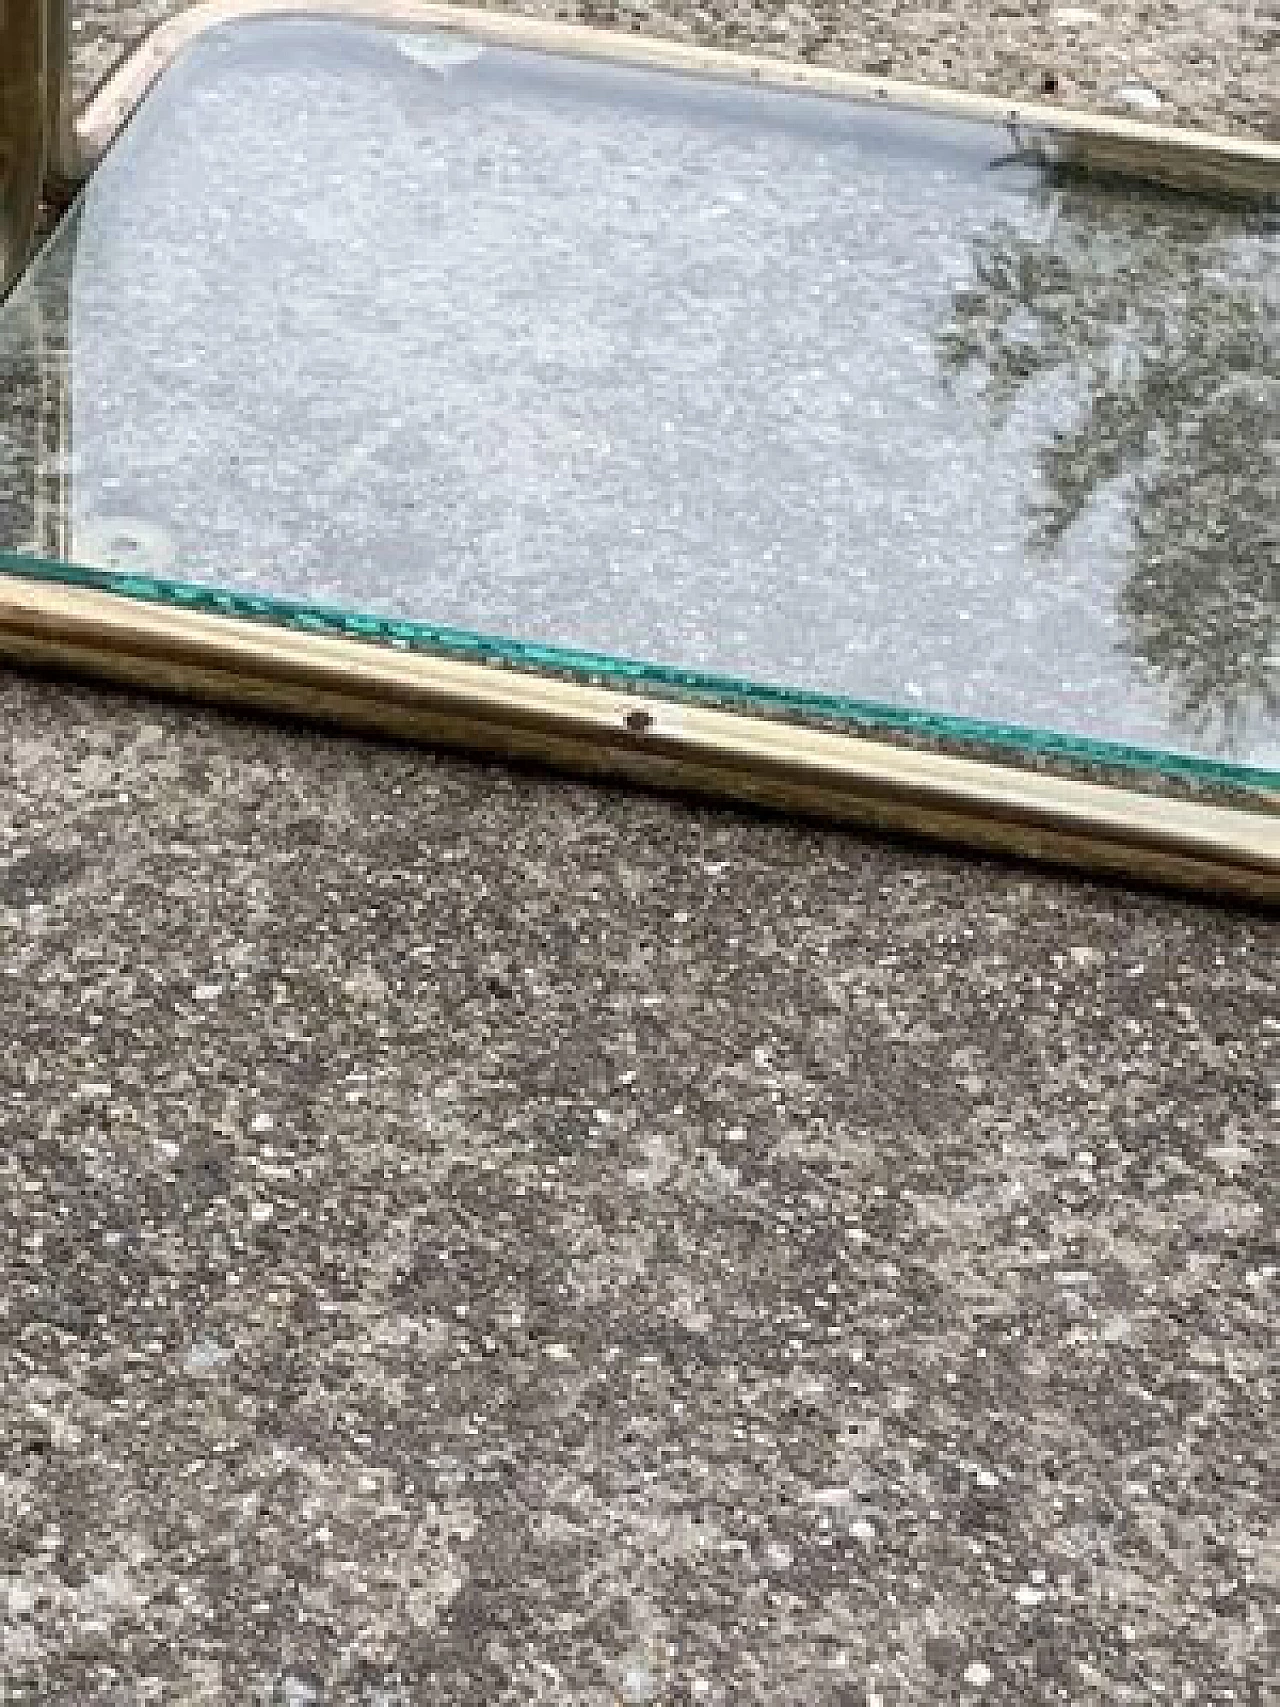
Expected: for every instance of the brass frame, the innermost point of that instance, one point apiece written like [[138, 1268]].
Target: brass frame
[[24, 56], [1180, 158], [46, 147], [603, 733], [577, 727]]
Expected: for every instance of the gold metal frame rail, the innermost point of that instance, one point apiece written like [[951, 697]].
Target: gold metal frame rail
[[603, 733], [46, 147]]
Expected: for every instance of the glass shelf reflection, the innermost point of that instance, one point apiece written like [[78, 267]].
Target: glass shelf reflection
[[800, 404]]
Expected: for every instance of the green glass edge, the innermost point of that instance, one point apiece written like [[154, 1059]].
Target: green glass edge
[[600, 667]]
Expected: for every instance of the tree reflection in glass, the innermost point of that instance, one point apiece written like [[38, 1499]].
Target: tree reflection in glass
[[1177, 362]]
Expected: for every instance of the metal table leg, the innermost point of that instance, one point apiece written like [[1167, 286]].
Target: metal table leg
[[24, 86]]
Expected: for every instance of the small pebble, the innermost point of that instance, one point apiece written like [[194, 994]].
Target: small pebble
[[204, 1357], [638, 1684], [1139, 97]]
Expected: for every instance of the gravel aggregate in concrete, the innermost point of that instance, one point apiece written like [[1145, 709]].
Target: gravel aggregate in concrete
[[472, 1238]]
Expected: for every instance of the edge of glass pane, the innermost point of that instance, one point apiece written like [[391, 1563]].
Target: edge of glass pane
[[1178, 157], [673, 681]]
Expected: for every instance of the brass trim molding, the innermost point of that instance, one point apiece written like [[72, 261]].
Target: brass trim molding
[[1185, 159], [602, 733], [46, 148], [24, 103]]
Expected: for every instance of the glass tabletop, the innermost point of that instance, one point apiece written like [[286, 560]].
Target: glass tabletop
[[733, 390]]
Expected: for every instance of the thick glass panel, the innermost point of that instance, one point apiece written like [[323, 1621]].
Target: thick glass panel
[[750, 386]]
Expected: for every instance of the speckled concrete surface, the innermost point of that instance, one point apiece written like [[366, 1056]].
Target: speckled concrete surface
[[477, 1239], [470, 1238]]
